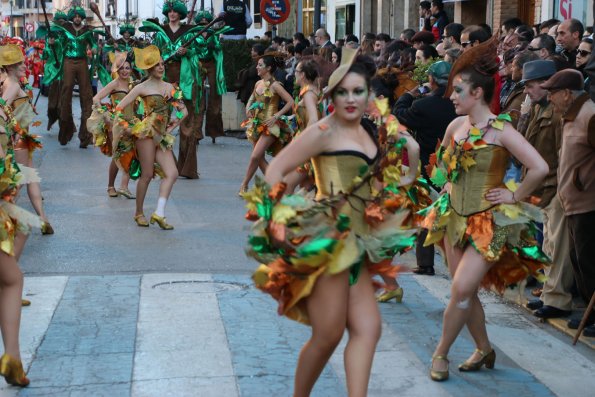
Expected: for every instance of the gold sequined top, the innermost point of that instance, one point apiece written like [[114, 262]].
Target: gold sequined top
[[301, 113], [116, 97], [157, 105], [334, 172], [467, 195]]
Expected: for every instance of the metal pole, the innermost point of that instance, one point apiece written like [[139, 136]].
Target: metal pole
[[11, 27], [317, 7]]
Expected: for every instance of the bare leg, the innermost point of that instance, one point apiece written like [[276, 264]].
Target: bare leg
[[124, 180], [257, 157], [11, 291], [263, 165], [168, 164], [364, 325], [327, 309], [34, 188], [467, 277], [112, 173], [145, 149]]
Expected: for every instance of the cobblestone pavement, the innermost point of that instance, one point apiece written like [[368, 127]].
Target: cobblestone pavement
[[123, 311]]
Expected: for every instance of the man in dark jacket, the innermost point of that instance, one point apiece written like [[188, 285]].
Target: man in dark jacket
[[428, 118]]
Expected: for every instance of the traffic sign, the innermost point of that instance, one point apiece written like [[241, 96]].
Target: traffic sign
[[274, 11], [29, 27]]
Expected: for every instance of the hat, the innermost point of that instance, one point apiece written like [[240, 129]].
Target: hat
[[423, 36], [146, 58], [538, 70], [76, 10], [440, 71], [11, 54], [175, 5], [117, 60], [348, 56], [565, 79], [127, 28], [203, 14], [60, 15]]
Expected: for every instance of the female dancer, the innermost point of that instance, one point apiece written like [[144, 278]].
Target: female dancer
[[15, 222], [22, 114], [100, 122], [322, 277], [153, 135], [488, 233], [307, 111], [264, 128]]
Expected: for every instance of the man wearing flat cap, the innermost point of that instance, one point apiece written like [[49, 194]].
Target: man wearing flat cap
[[544, 132], [427, 118], [576, 178]]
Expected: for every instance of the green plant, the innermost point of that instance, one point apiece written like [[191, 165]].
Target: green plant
[[420, 73], [236, 56]]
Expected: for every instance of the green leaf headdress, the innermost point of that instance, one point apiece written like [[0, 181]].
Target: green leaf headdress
[[177, 6]]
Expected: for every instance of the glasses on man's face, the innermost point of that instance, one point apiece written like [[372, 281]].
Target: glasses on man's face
[[584, 53], [533, 48], [464, 44]]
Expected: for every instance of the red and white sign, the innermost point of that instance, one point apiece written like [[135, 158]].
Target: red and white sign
[[29, 27], [570, 9], [274, 11]]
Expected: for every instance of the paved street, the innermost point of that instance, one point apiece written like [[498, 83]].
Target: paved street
[[119, 310]]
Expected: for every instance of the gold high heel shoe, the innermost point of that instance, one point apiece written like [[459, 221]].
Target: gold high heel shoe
[[439, 376], [126, 193], [25, 302], [46, 228], [141, 220], [396, 293], [12, 370], [161, 222], [243, 189], [112, 192], [487, 359]]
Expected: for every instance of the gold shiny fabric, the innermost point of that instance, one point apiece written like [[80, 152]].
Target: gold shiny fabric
[[467, 195], [156, 118], [263, 115], [334, 173], [23, 113]]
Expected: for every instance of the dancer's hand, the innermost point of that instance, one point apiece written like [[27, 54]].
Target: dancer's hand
[[181, 51], [406, 180], [271, 122], [445, 188], [278, 233], [500, 196]]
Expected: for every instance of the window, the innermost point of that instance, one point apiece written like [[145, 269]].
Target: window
[[308, 15], [257, 18]]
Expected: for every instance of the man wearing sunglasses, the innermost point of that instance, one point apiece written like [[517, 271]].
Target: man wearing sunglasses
[[544, 46]]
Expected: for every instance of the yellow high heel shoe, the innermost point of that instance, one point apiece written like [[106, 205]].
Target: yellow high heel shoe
[[25, 302], [439, 376], [487, 359], [12, 370], [46, 228], [161, 222], [141, 220], [243, 189], [396, 293]]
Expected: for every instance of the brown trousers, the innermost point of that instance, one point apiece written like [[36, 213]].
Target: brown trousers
[[582, 254], [54, 102], [214, 126], [76, 71], [556, 289], [187, 156]]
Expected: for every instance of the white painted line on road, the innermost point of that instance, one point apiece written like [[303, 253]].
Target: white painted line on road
[[45, 294], [181, 344]]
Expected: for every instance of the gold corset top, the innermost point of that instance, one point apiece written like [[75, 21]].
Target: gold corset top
[[116, 97], [334, 173], [300, 111], [467, 195], [23, 112], [269, 109], [157, 105]]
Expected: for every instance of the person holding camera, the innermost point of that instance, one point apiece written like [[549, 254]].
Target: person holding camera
[[426, 113]]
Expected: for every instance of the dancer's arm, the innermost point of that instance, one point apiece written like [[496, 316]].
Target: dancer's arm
[[10, 92], [131, 96], [310, 101], [413, 155], [536, 166], [104, 92]]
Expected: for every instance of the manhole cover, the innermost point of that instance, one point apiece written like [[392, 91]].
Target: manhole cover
[[199, 287]]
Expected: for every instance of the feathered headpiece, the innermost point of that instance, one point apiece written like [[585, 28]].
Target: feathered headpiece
[[76, 10], [203, 14], [176, 5], [483, 58], [127, 27]]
